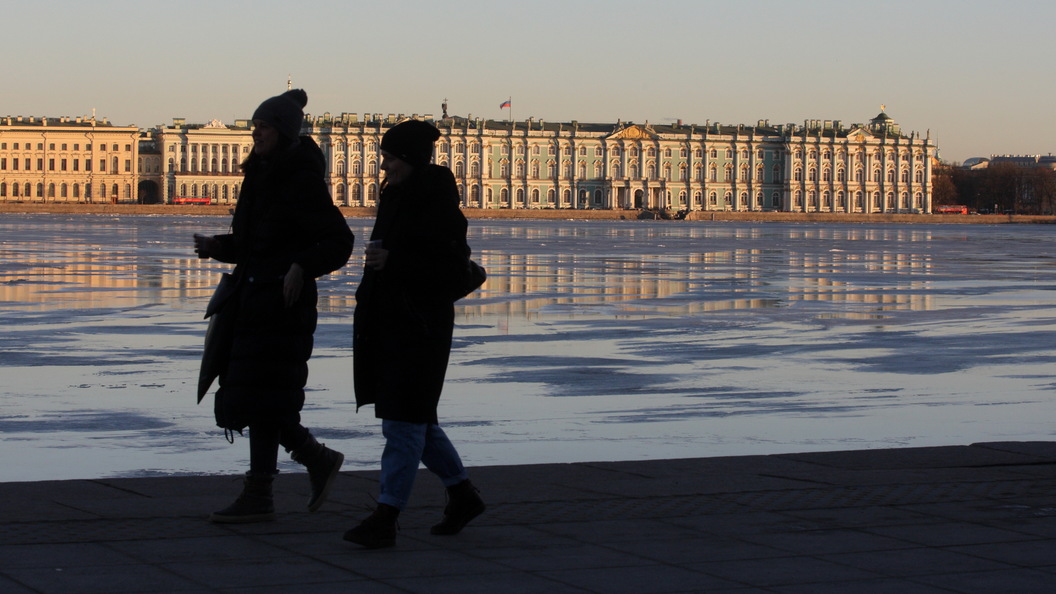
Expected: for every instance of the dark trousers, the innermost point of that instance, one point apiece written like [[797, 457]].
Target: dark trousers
[[265, 437]]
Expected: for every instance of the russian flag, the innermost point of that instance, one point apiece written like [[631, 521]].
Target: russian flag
[[505, 104]]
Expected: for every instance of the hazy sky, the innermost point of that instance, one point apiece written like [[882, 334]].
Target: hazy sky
[[978, 74]]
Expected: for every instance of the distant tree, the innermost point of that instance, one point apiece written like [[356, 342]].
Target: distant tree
[[943, 189], [999, 186], [1042, 189]]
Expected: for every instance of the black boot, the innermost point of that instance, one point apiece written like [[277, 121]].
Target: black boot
[[378, 530], [464, 504], [322, 464], [253, 505]]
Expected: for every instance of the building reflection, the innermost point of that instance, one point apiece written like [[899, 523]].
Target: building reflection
[[519, 284]]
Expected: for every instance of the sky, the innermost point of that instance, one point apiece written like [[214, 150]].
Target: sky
[[976, 75]]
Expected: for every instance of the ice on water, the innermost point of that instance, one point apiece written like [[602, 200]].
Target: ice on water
[[592, 340]]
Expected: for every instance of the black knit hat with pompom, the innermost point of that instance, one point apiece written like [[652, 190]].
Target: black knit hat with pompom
[[285, 112]]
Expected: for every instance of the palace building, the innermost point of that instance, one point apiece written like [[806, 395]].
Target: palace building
[[820, 166], [67, 160]]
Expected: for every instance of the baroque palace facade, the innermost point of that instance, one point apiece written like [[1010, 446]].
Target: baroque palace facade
[[821, 166]]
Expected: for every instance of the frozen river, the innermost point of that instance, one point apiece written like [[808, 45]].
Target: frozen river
[[615, 340]]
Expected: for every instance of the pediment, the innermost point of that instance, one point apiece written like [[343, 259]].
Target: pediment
[[859, 133], [633, 132]]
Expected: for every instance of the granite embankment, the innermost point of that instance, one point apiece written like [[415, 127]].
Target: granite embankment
[[480, 213]]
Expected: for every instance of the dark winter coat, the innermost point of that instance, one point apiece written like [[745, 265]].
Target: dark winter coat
[[284, 215], [405, 312]]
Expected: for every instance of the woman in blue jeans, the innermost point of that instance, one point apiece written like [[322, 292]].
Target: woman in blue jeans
[[404, 319]]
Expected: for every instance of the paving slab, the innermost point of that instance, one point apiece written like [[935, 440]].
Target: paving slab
[[974, 518]]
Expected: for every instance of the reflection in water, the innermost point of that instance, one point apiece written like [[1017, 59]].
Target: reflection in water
[[590, 340], [686, 270]]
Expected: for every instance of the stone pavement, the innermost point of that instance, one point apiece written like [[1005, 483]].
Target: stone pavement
[[978, 518]]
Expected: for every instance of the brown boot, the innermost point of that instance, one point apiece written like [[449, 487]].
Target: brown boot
[[322, 464], [464, 504], [253, 505], [378, 530]]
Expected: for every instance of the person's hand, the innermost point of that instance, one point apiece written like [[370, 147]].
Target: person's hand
[[205, 246], [376, 257], [292, 284]]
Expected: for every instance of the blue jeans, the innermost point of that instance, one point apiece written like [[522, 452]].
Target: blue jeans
[[407, 444]]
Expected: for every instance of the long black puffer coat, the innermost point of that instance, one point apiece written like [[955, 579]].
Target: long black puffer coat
[[405, 312], [284, 215]]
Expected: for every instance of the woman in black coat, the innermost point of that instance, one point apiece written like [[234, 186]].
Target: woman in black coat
[[403, 325], [285, 233]]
